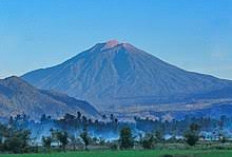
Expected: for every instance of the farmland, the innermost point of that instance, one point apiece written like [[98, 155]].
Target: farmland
[[131, 153]]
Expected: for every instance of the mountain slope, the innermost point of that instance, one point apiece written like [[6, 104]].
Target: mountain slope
[[17, 96], [114, 75]]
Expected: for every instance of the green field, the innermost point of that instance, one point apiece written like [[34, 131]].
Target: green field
[[155, 153]]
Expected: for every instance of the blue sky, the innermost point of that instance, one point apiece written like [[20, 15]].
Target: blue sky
[[193, 34]]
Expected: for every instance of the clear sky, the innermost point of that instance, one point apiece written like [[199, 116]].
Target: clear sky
[[193, 34]]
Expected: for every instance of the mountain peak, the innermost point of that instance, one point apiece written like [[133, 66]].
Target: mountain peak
[[15, 82], [114, 44], [17, 97], [117, 73], [110, 44]]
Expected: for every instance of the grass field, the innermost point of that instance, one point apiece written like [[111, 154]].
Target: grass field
[[155, 153]]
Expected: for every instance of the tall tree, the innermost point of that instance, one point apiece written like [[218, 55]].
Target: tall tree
[[126, 139], [148, 142], [63, 138], [47, 141], [192, 135], [85, 137]]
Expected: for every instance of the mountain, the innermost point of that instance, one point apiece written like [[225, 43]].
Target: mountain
[[117, 76], [17, 97]]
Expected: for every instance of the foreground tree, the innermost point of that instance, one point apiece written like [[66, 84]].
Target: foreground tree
[[192, 135], [47, 141], [17, 141], [126, 139], [63, 138], [73, 142], [85, 137], [148, 142], [158, 136]]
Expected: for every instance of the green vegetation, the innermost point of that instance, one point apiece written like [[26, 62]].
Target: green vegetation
[[151, 153], [84, 136], [192, 135], [126, 140], [47, 142], [148, 142], [73, 136], [16, 141]]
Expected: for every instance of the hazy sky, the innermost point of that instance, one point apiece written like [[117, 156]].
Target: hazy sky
[[195, 35]]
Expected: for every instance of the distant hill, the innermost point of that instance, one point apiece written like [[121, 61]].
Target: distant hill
[[117, 76], [17, 97]]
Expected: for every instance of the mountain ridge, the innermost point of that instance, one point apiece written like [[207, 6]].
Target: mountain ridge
[[19, 97]]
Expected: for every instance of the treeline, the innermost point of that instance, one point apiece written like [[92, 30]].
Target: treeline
[[18, 141], [178, 127], [72, 132]]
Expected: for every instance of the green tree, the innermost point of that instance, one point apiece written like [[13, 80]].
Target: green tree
[[159, 136], [47, 141], [85, 137], [126, 139], [148, 142], [192, 135], [62, 137], [17, 141]]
